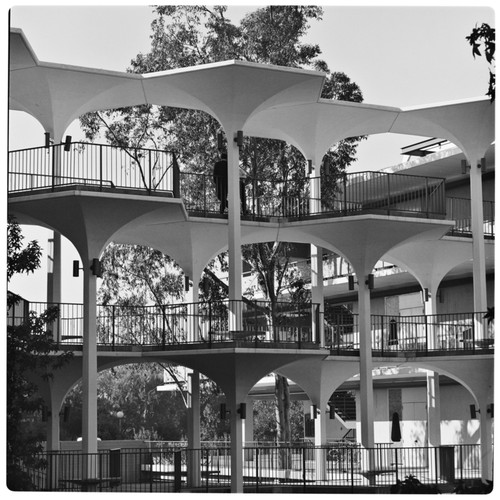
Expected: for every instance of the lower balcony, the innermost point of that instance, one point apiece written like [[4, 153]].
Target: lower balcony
[[260, 324]]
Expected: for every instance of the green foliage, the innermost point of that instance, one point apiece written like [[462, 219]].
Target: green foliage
[[138, 275], [484, 36], [19, 259], [31, 356]]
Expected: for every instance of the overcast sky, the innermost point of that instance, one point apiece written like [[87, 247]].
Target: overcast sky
[[399, 56]]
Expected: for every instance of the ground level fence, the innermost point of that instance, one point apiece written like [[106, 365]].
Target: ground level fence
[[302, 467]]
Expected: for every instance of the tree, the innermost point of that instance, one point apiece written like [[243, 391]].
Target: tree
[[484, 36], [30, 355], [189, 35]]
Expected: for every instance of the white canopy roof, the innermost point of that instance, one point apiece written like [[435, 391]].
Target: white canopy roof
[[263, 101]]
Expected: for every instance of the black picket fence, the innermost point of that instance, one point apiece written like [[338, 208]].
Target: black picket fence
[[303, 468]]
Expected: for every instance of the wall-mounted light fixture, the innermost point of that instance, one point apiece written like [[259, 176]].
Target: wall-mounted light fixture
[[96, 268], [238, 139], [489, 409], [242, 410], [310, 166], [47, 139], [473, 411], [186, 283], [76, 268], [351, 281], [370, 282], [67, 143], [332, 411]]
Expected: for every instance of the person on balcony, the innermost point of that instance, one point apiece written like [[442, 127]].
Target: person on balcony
[[221, 182], [220, 176]]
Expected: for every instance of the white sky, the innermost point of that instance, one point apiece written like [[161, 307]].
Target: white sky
[[398, 55]]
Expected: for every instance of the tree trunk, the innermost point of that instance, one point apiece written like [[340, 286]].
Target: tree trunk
[[282, 392]]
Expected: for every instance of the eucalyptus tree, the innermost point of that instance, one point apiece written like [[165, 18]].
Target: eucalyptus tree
[[185, 36]]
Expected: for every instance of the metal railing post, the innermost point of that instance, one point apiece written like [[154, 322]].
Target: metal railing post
[[113, 326], [351, 460], [388, 194], [257, 470], [100, 167], [163, 326], [304, 468], [150, 173], [427, 197]]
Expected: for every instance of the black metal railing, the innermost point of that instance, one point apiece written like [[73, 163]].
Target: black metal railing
[[301, 467], [359, 193], [260, 324], [459, 210], [422, 334], [257, 322], [148, 171], [92, 166]]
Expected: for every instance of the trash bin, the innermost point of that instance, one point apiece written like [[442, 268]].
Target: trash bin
[[447, 463]]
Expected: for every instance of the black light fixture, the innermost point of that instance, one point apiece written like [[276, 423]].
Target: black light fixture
[[351, 281], [47, 139], [67, 143], [427, 295], [239, 138], [242, 410], [186, 283], [96, 268], [490, 409], [473, 411], [332, 412], [76, 268], [310, 166], [370, 282]]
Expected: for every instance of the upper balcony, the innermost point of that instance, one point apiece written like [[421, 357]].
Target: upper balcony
[[156, 173]]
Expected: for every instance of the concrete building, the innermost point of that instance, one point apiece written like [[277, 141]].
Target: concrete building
[[420, 261]]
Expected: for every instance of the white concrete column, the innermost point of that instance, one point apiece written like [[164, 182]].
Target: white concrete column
[[430, 308], [485, 429], [89, 368], [478, 250], [317, 293], [248, 424], [236, 445], [194, 334], [433, 409], [54, 277], [54, 268], [234, 231], [365, 365], [194, 442], [320, 441]]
